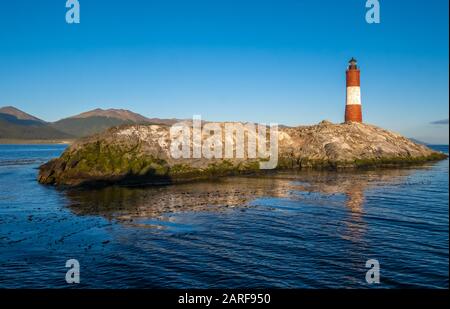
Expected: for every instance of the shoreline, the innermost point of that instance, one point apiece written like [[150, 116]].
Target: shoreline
[[11, 141], [198, 175]]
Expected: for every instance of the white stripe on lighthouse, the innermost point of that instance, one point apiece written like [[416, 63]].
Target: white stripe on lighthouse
[[353, 95]]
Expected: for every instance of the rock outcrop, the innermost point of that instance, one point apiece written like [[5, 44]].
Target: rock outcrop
[[140, 154]]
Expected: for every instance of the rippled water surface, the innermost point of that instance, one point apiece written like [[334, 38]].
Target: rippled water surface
[[305, 230]]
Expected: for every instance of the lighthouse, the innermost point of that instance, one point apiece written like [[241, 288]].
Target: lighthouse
[[353, 98]]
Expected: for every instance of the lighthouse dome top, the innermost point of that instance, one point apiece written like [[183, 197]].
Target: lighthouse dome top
[[352, 64]]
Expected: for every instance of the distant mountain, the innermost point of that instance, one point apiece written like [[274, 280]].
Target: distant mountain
[[417, 141], [80, 127], [122, 114], [18, 114], [442, 121], [164, 121], [16, 124], [98, 120]]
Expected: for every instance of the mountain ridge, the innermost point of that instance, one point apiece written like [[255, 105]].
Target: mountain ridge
[[19, 114], [123, 114], [17, 124]]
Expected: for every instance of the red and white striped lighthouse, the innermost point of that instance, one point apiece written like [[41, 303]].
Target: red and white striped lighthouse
[[353, 99]]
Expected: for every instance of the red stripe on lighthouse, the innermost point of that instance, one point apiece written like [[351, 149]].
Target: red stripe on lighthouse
[[353, 78], [353, 113]]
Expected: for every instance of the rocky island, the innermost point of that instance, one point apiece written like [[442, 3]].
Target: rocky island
[[140, 154]]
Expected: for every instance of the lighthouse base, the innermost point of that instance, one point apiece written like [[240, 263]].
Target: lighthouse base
[[353, 113]]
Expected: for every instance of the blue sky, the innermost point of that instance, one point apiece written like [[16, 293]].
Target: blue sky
[[263, 61]]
